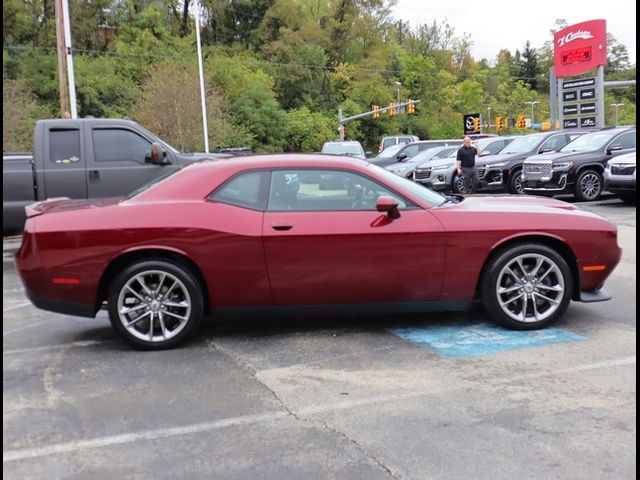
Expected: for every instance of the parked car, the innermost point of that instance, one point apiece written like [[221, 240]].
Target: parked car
[[442, 174], [235, 151], [387, 142], [85, 158], [409, 151], [503, 171], [405, 167], [191, 244], [620, 177], [349, 148], [578, 167]]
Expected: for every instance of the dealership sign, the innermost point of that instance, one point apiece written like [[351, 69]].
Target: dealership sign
[[580, 48]]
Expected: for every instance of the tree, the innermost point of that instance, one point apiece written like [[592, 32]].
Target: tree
[[529, 70]]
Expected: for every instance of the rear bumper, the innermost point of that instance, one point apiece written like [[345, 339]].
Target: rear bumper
[[58, 306]]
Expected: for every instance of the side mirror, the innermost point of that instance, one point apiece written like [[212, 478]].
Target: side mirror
[[368, 154], [614, 148], [401, 157], [546, 150], [484, 154], [389, 205], [158, 155]]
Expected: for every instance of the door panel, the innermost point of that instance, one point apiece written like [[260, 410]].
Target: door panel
[[327, 258], [119, 162]]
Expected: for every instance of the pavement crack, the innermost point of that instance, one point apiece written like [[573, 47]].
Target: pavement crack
[[244, 365]]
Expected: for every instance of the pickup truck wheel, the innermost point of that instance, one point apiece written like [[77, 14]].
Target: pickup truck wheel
[[155, 304], [588, 186], [515, 183], [527, 286]]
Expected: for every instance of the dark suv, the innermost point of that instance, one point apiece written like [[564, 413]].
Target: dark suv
[[579, 166], [504, 171]]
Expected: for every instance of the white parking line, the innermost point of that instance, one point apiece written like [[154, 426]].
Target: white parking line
[[82, 343], [26, 453], [19, 329], [15, 307]]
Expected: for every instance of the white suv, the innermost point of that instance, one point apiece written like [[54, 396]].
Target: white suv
[[395, 140]]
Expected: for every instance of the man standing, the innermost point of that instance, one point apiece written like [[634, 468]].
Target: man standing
[[466, 163]]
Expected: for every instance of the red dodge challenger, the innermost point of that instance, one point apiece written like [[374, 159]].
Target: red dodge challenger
[[294, 230]]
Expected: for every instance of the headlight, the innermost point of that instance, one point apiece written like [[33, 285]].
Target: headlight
[[501, 164], [563, 165], [442, 167]]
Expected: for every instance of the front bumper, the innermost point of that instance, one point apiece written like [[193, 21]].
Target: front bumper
[[559, 183], [619, 183]]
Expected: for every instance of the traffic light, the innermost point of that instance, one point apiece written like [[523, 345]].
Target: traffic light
[[411, 108], [499, 124], [376, 113], [392, 109], [522, 123], [476, 124]]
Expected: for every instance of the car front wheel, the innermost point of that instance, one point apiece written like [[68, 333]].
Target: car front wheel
[[516, 186], [588, 186], [527, 286], [155, 304]]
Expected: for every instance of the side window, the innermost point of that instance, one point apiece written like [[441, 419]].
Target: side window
[[116, 144], [404, 140], [626, 140], [388, 142], [64, 146], [242, 191], [411, 150], [324, 190], [554, 143]]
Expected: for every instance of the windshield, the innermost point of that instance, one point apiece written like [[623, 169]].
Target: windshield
[[342, 148], [432, 198], [390, 151], [524, 144], [150, 184], [446, 152], [588, 143]]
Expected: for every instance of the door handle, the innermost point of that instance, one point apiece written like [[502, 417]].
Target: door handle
[[94, 175], [281, 226]]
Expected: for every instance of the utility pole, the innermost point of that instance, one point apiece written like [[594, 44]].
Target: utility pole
[[66, 23], [62, 64], [202, 95]]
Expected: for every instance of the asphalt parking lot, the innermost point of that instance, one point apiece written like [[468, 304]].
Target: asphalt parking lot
[[438, 396]]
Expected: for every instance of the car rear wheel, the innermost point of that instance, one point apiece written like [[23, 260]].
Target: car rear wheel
[[155, 304], [527, 287], [588, 185]]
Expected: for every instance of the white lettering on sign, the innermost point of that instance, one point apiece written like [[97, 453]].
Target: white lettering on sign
[[571, 36]]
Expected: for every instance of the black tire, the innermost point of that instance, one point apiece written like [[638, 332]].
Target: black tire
[[457, 184], [515, 183], [178, 315], [496, 273], [588, 186]]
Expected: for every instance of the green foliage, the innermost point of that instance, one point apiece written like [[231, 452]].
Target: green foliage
[[306, 131], [276, 71]]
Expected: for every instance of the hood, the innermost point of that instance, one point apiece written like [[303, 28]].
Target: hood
[[561, 155], [500, 157], [185, 158], [64, 204], [437, 162]]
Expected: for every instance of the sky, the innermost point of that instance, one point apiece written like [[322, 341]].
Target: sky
[[494, 25]]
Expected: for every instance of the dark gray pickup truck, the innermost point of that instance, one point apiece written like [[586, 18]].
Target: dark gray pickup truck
[[84, 158]]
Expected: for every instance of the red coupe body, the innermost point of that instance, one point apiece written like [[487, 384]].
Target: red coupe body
[[332, 247]]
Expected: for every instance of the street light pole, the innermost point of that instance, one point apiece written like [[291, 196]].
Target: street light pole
[[398, 85], [489, 117], [532, 104], [617, 105]]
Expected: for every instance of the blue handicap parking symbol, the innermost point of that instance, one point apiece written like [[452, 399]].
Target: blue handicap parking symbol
[[480, 339]]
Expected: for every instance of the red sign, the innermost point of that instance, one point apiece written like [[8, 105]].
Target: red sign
[[580, 48]]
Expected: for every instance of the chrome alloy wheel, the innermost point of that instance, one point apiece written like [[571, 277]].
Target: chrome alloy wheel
[[154, 306], [590, 185], [530, 288]]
